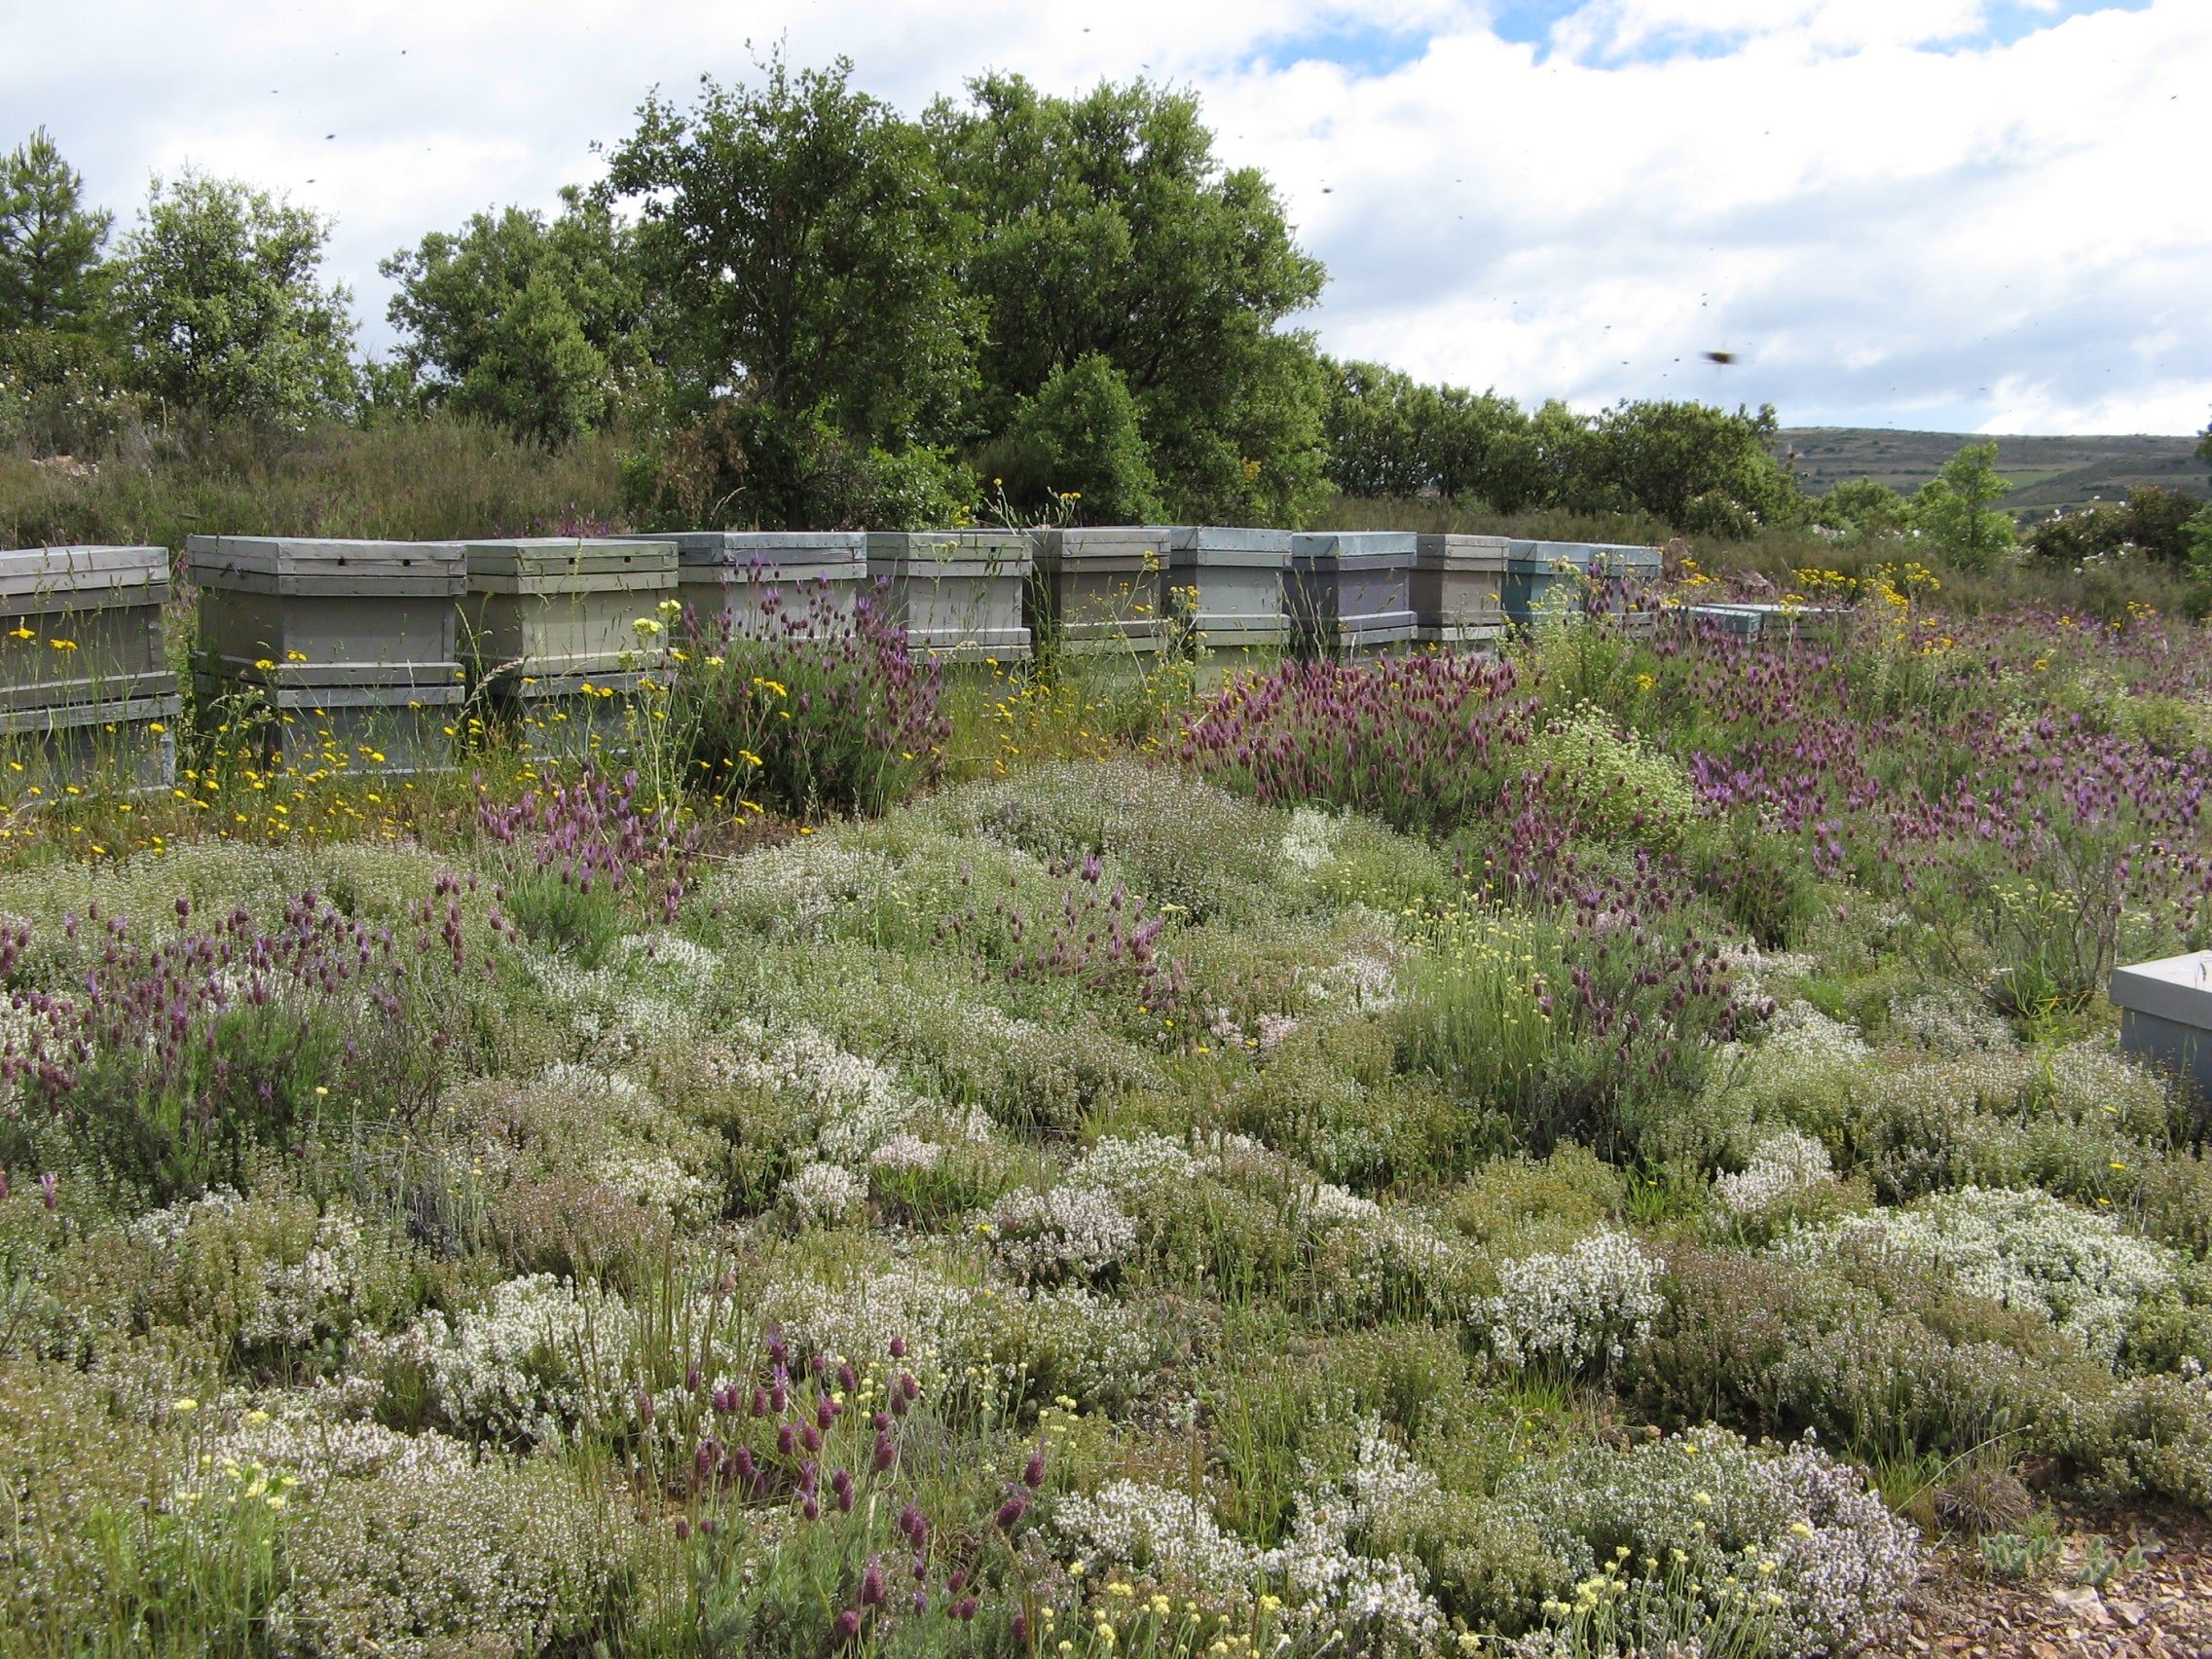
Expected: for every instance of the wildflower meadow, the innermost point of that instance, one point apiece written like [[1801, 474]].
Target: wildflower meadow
[[1615, 1146]]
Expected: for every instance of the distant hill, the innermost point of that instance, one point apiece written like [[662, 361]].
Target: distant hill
[[2047, 473]]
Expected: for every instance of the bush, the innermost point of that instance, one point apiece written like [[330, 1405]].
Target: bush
[[828, 712]]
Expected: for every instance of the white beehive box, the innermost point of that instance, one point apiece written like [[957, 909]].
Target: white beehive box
[[82, 624], [1457, 589], [1100, 589], [1350, 591], [548, 608], [957, 593], [2165, 1014], [1226, 584], [767, 584], [317, 612]]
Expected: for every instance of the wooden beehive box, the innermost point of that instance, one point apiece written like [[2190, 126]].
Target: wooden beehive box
[[770, 583], [312, 613], [123, 744], [363, 727], [957, 593], [551, 608], [1546, 578], [1226, 583], [1457, 589], [82, 625], [1351, 591], [1101, 589]]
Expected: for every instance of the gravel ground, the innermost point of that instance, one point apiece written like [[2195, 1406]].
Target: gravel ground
[[2163, 1608]]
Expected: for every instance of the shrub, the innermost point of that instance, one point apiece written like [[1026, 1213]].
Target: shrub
[[1608, 782], [2021, 1249], [1423, 742], [828, 710], [1575, 1311], [1780, 1548]]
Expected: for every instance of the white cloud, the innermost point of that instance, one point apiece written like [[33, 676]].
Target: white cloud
[[1937, 212]]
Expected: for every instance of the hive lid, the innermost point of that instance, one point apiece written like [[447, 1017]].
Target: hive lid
[[1460, 552], [327, 566], [1581, 555], [1224, 538], [775, 550], [571, 556], [1342, 544], [2178, 988], [1002, 544], [1092, 542], [85, 574]]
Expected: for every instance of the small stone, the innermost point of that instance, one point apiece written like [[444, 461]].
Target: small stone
[[2129, 1613], [2083, 1595]]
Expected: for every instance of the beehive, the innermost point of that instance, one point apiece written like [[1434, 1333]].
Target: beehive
[[2165, 1014], [548, 608], [763, 583], [1457, 589], [957, 593], [1103, 589], [83, 625], [1226, 584], [312, 613], [1349, 591], [1758, 621], [1544, 577]]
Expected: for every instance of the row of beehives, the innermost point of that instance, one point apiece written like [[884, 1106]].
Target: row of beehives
[[327, 638]]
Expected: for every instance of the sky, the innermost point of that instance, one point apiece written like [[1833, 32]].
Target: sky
[[1971, 216]]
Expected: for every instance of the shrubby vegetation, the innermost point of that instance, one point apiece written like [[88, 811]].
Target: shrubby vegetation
[[1617, 1147]]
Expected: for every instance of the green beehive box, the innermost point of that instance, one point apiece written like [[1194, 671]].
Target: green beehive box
[[957, 593], [1099, 590], [549, 608], [82, 624]]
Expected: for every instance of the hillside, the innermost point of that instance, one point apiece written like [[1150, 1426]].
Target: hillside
[[2047, 472]]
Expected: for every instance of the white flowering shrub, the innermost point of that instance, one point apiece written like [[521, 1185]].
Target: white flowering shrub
[[1785, 1541], [824, 1194], [273, 1274], [1575, 1311], [1141, 1164], [416, 1546], [1172, 1536], [2024, 1249], [1330, 1588], [541, 1358], [1068, 1232], [1787, 1167]]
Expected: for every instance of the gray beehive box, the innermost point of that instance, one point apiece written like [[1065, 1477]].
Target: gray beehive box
[[2165, 1014], [1755, 621], [82, 625], [312, 613], [1551, 576], [768, 583], [551, 608], [957, 593], [1457, 589], [1226, 583], [1351, 590], [363, 727], [1100, 589], [126, 742]]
